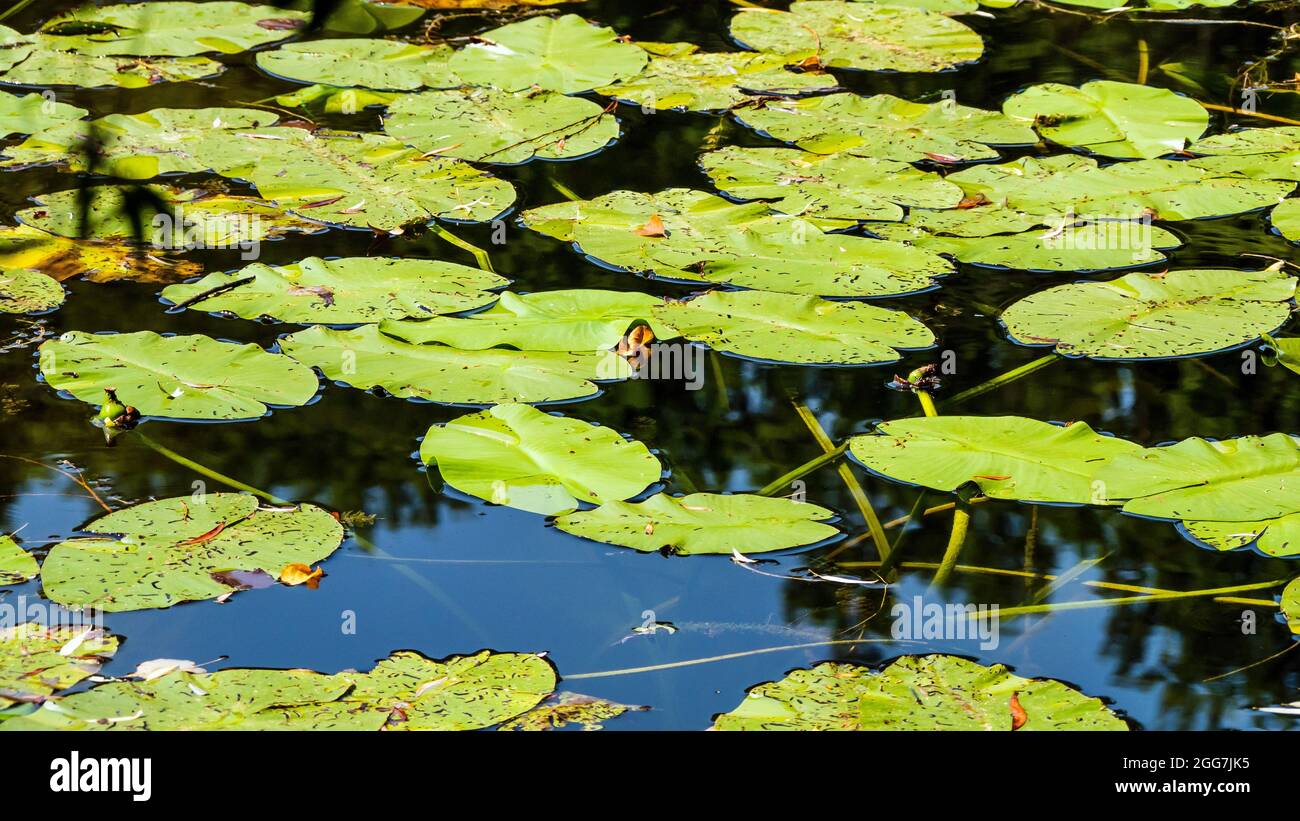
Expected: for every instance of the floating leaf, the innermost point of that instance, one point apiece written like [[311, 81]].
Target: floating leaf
[[562, 709], [703, 523], [24, 291], [1291, 605], [296, 573], [706, 81], [169, 551], [16, 564], [565, 54], [1145, 316], [62, 258], [37, 661], [368, 63], [175, 377], [1008, 457], [933, 692], [859, 35], [335, 100], [65, 68], [1279, 536], [1286, 219], [1113, 119], [518, 456], [474, 4], [487, 125], [178, 29], [341, 291], [33, 112]]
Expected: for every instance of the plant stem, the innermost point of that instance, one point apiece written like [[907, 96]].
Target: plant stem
[[627, 671], [203, 470], [917, 511], [1004, 612], [956, 541], [565, 191], [481, 256], [1002, 379], [783, 483]]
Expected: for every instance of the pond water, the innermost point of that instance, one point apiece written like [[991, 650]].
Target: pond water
[[453, 574]]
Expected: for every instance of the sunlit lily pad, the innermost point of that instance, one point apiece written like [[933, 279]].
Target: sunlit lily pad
[[25, 291], [703, 523], [368, 63], [169, 551], [334, 100], [1286, 219], [1279, 536], [1291, 605], [1113, 119], [341, 291], [1144, 316], [473, 4], [176, 377], [177, 29], [487, 125], [38, 661], [565, 54], [1008, 457], [887, 127], [805, 330], [706, 81], [16, 564], [860, 35], [518, 456], [364, 358], [33, 112], [97, 261], [562, 709], [934, 692], [67, 68]]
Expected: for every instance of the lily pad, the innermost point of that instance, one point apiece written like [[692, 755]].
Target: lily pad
[[706, 81], [562, 709], [1286, 219], [487, 125], [1291, 605], [1113, 119], [177, 29], [1278, 537], [369, 63], [1149, 316], [1008, 457], [169, 551], [692, 236], [175, 377], [565, 54], [97, 261], [933, 692], [341, 291], [703, 523], [887, 127], [518, 456], [38, 661], [16, 564], [364, 358], [33, 112], [334, 100], [66, 68], [835, 186], [25, 291], [859, 35], [804, 330]]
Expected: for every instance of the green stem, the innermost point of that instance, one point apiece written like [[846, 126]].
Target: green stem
[[1003, 379], [204, 470], [481, 256], [956, 540], [565, 191], [725, 657], [783, 483], [927, 403], [1126, 600], [917, 511]]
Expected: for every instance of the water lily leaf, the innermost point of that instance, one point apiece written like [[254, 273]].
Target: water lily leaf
[[341, 291], [176, 377], [364, 358], [935, 692], [703, 523], [98, 261], [37, 661], [66, 68], [1291, 604], [487, 125], [568, 320], [361, 180], [565, 54], [33, 112], [334, 100], [1113, 119], [178, 29], [371, 64], [798, 329], [1247, 479], [1147, 316], [707, 81], [169, 551], [703, 238], [1278, 536], [1287, 351], [561, 709], [1286, 219], [1008, 457], [518, 456], [887, 127], [16, 564], [859, 35], [474, 4], [25, 291], [834, 186]]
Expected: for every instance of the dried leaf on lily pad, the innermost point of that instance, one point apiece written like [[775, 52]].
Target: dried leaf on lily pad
[[562, 709], [25, 291], [37, 661], [16, 564], [164, 552], [98, 261], [935, 692]]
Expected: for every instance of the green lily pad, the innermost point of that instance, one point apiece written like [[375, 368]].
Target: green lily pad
[[16, 564], [1286, 351], [703, 238], [518, 456], [703, 523], [1148, 316], [67, 68], [175, 29], [933, 692], [33, 112], [26, 291], [487, 125], [169, 551], [359, 180], [805, 330], [175, 377], [1247, 479], [371, 64], [1279, 536], [334, 100], [1123, 120], [1008, 457], [38, 661], [97, 261], [1286, 219], [565, 54], [834, 186], [364, 358], [585, 320], [887, 127], [341, 291], [859, 35], [1291, 605], [706, 81], [561, 709]]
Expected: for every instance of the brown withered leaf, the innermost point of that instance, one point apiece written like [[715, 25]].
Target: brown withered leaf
[[1018, 714], [654, 227], [297, 573]]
